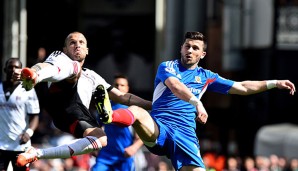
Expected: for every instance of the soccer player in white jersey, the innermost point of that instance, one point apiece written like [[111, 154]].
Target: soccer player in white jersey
[[19, 111], [70, 93]]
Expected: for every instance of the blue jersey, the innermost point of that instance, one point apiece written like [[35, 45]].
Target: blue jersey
[[174, 111], [175, 117], [112, 157]]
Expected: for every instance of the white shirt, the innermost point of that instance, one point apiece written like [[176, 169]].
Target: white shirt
[[88, 80], [87, 84], [13, 116]]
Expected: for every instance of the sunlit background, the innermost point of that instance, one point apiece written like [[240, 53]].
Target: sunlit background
[[247, 40]]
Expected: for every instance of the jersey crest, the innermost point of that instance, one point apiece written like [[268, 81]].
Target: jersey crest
[[198, 79]]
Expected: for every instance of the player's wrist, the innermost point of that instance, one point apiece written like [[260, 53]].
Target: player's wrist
[[271, 84], [194, 101], [30, 132]]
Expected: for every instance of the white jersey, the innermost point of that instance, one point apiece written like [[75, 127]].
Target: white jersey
[[13, 116], [87, 84], [88, 80]]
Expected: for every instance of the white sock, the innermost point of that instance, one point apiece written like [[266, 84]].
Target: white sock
[[47, 72], [53, 73], [76, 147], [68, 70]]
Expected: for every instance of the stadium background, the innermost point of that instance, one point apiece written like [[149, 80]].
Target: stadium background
[[247, 40]]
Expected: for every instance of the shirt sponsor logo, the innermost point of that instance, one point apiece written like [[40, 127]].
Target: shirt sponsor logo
[[195, 90]]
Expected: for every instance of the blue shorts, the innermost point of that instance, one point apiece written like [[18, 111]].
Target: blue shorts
[[180, 145], [115, 165]]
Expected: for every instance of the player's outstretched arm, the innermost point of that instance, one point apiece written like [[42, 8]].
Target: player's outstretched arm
[[253, 87]]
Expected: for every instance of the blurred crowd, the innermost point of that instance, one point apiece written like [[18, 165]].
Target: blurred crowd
[[45, 137], [249, 163]]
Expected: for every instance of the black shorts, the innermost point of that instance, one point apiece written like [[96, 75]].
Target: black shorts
[[67, 110], [7, 156]]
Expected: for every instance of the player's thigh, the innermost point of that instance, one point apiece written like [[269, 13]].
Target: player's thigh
[[144, 124]]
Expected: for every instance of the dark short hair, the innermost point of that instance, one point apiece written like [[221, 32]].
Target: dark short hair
[[13, 59], [120, 75], [195, 35], [70, 34]]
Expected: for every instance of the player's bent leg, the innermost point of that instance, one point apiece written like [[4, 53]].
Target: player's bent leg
[[58, 72], [67, 70], [45, 71], [48, 72], [103, 104], [144, 124], [37, 73], [123, 117]]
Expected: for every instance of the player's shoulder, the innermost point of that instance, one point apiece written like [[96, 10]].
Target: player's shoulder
[[170, 63], [205, 70]]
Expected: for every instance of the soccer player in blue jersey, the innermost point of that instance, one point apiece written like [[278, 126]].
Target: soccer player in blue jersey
[[178, 87], [123, 142]]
